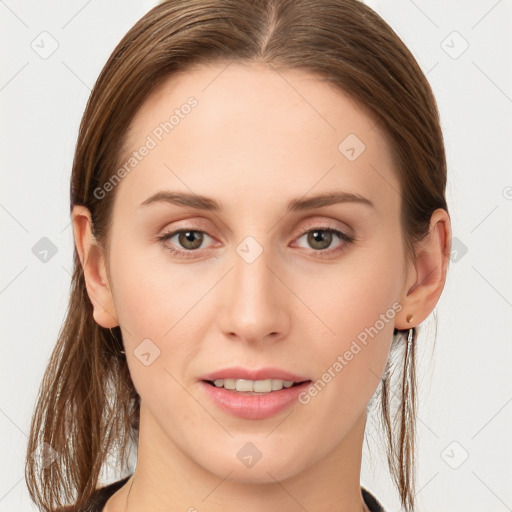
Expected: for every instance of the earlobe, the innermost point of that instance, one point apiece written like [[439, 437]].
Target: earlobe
[[93, 263], [427, 276]]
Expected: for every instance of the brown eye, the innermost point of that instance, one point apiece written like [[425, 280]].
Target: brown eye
[[190, 239], [320, 239], [186, 242]]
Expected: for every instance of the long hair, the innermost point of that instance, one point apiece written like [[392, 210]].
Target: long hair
[[87, 408]]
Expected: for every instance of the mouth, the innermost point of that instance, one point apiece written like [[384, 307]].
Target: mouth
[[254, 387], [254, 393], [253, 399]]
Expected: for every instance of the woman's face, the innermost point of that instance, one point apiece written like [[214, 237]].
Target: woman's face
[[258, 282]]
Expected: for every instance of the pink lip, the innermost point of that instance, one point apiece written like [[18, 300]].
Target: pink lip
[[253, 374], [253, 406]]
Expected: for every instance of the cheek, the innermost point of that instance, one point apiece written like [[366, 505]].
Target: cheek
[[158, 336], [163, 310], [358, 296], [358, 308], [152, 295]]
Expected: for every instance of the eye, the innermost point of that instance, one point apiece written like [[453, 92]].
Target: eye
[[321, 239], [189, 239]]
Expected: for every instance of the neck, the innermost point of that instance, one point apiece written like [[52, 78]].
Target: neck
[[167, 479]]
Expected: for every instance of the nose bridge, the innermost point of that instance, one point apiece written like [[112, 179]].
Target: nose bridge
[[253, 310], [251, 273]]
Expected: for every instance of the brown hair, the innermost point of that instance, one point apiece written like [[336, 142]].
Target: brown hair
[[87, 405]]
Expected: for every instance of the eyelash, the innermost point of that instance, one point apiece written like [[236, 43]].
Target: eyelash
[[348, 239]]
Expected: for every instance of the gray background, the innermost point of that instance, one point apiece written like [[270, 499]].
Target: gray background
[[52, 53]]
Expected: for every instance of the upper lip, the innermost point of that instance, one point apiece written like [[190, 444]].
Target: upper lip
[[236, 372]]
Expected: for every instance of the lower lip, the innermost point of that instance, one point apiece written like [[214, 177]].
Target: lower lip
[[254, 407]]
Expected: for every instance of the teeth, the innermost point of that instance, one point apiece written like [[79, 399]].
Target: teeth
[[256, 386]]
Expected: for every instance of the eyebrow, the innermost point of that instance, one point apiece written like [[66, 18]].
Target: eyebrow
[[206, 203]]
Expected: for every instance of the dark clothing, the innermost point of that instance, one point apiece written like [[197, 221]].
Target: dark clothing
[[371, 501], [101, 496]]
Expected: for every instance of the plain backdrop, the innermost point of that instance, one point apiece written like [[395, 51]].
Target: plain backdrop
[[465, 410]]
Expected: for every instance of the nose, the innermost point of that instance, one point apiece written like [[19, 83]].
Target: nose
[[255, 301]]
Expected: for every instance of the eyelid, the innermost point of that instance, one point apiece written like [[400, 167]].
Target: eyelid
[[312, 224]]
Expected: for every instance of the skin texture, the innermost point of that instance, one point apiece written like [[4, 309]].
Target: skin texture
[[256, 140]]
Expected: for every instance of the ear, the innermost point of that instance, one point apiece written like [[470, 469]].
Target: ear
[[426, 277], [93, 262]]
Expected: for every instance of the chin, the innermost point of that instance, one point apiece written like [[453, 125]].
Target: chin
[[248, 464], [259, 474]]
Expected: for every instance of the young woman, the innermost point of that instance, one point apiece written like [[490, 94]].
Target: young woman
[[258, 205]]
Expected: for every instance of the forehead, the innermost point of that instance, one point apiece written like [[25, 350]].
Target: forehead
[[231, 128]]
